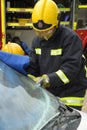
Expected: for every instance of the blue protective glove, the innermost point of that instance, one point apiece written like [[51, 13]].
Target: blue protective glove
[[18, 62]]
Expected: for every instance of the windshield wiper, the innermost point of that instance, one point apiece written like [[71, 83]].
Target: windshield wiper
[[64, 120]]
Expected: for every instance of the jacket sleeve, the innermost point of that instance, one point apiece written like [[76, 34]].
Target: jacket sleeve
[[33, 68], [25, 47], [71, 61]]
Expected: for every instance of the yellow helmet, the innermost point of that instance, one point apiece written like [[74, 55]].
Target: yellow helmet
[[13, 48], [45, 15]]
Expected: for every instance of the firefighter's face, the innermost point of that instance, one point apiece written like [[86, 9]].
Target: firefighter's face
[[45, 34]]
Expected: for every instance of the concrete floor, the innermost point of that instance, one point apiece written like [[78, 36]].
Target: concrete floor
[[84, 108]]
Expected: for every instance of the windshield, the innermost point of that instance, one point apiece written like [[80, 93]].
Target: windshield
[[24, 105]]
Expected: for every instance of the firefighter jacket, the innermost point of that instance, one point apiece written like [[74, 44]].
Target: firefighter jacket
[[60, 58]]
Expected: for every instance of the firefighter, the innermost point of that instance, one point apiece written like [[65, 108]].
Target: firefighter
[[56, 56], [13, 48]]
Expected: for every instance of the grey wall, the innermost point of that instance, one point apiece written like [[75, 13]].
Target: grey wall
[[25, 35]]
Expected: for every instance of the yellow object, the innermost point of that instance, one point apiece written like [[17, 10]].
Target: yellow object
[[45, 15], [46, 81], [73, 101], [36, 79], [43, 80], [23, 20], [13, 48]]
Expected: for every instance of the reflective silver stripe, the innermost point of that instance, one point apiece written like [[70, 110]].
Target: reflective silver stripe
[[55, 52], [62, 76], [73, 101], [86, 70], [38, 51], [84, 56], [85, 66]]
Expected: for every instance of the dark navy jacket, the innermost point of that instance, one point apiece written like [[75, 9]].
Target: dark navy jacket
[[62, 53]]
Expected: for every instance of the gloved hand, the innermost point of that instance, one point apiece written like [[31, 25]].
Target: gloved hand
[[36, 79], [45, 82]]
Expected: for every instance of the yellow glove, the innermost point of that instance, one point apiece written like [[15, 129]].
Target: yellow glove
[[36, 79], [45, 81]]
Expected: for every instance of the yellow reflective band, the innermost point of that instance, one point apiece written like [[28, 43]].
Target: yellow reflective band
[[62, 76], [73, 101], [55, 52], [86, 70], [38, 51]]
